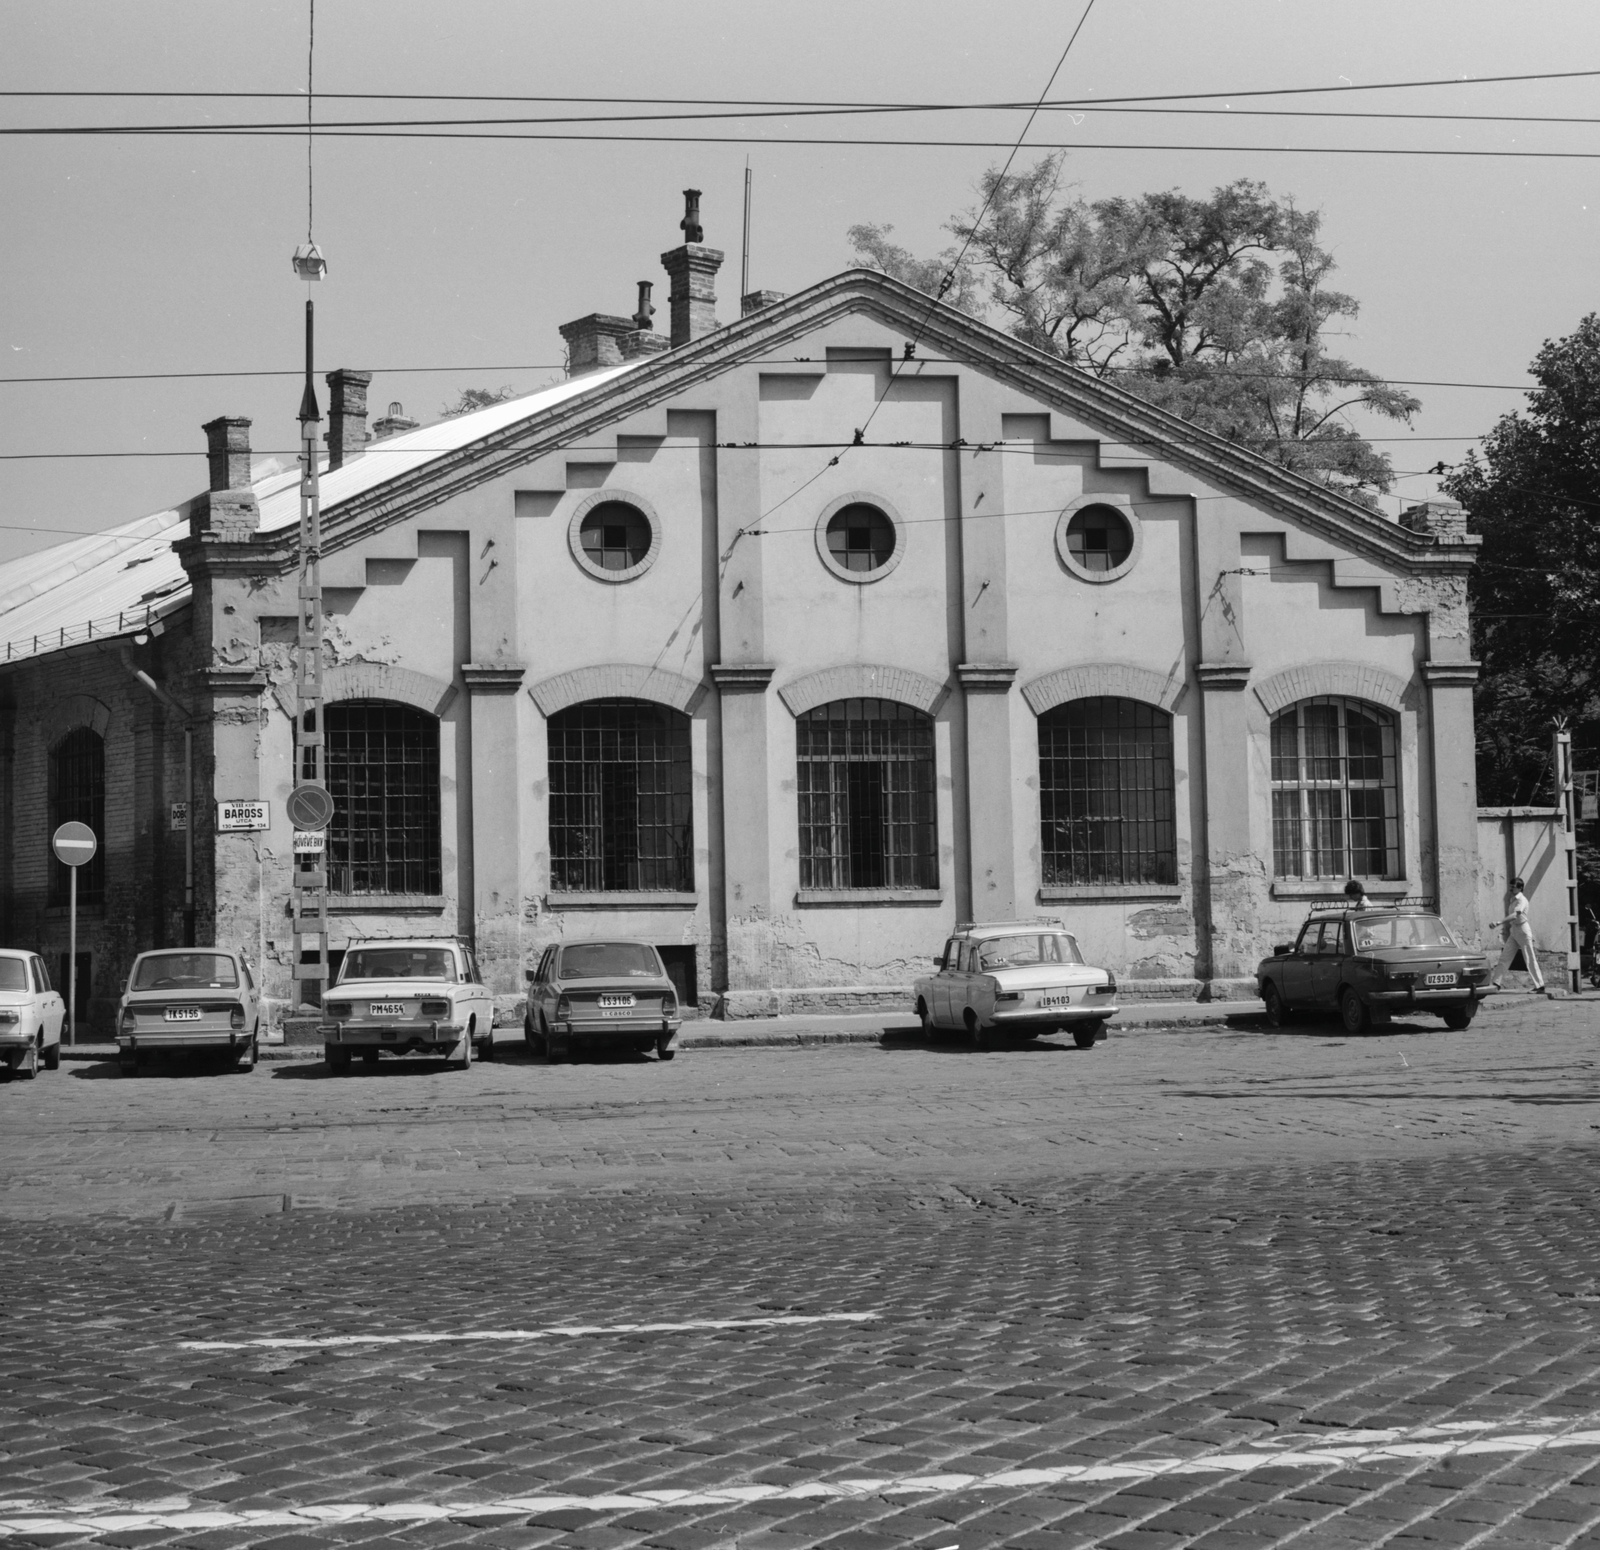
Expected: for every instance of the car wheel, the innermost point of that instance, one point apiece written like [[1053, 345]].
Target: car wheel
[[665, 1051], [338, 1059], [1353, 1012], [928, 1027], [369, 1057], [246, 1060], [52, 1057], [536, 1042], [1085, 1035], [1277, 1010], [975, 1034], [486, 1046], [555, 1050], [1457, 1017], [465, 1062], [28, 1066]]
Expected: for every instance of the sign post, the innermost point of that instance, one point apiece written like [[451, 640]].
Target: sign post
[[74, 845]]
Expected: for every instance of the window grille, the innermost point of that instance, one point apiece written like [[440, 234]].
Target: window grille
[[383, 774], [621, 810], [1099, 538], [1335, 791], [615, 536], [78, 795], [1106, 795], [865, 779], [860, 537]]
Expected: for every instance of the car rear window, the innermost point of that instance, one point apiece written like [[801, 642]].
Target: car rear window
[[399, 963], [13, 974], [1025, 952], [1403, 931], [600, 960], [185, 971]]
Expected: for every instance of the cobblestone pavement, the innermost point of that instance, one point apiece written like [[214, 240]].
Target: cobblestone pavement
[[1226, 1288]]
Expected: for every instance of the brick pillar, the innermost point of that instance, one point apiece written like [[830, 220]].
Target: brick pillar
[[347, 415]]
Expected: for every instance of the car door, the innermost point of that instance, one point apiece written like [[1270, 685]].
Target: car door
[[52, 1009], [1296, 967], [479, 994], [961, 982], [539, 991], [247, 984], [1327, 967]]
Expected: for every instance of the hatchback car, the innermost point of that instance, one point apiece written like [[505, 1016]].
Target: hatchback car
[[189, 998], [1016, 977], [1369, 964], [599, 995], [31, 1015], [422, 997]]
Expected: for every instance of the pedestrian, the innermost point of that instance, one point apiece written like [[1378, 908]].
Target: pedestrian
[[1519, 938], [1356, 893]]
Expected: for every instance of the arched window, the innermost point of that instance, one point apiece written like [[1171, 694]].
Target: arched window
[[383, 775], [1106, 795], [865, 781], [621, 808], [78, 795], [1335, 790]]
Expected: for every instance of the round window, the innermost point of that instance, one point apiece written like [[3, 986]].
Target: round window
[[860, 537], [1099, 538], [614, 536]]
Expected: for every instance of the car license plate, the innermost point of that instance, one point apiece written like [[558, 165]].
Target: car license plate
[[616, 1000], [183, 1014], [386, 1008], [1440, 979], [1050, 1003]]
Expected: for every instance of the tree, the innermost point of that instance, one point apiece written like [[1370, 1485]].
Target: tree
[[477, 398], [1534, 495], [1215, 309]]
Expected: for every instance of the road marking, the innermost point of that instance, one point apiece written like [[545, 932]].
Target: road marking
[[548, 1332], [1410, 1446]]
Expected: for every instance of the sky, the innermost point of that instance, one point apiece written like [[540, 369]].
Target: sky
[[165, 254]]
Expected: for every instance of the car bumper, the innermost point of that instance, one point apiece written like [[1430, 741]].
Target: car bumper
[[1457, 995], [1055, 1016], [183, 1038], [17, 1037], [431, 1035], [631, 1029]]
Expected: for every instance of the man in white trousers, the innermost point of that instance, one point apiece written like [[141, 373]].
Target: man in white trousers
[[1519, 938]]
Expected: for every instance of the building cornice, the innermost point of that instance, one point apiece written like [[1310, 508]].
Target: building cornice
[[492, 678], [1440, 674], [1222, 675], [742, 677], [986, 677]]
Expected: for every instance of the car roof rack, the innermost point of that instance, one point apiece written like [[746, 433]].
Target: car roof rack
[[985, 925], [1415, 901]]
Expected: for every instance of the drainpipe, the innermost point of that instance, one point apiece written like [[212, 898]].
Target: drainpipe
[[187, 718]]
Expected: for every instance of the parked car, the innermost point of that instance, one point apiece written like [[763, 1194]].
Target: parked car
[[1369, 963], [422, 997], [32, 1015], [598, 995], [1016, 977], [189, 998]]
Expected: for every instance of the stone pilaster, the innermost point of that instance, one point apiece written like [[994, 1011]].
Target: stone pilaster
[[496, 822], [1455, 793]]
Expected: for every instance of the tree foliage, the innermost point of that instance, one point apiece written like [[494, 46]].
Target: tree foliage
[[1534, 495], [1216, 309], [477, 398]]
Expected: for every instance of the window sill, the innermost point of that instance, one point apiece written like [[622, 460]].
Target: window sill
[[1333, 888], [85, 911], [386, 903], [1110, 891], [630, 899], [807, 897]]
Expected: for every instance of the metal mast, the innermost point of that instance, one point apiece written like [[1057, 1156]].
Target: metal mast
[[310, 873]]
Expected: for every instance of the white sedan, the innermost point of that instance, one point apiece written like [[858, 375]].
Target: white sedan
[[31, 1015], [1016, 977]]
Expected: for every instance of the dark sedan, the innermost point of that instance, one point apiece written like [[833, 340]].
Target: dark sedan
[[1370, 964], [601, 995]]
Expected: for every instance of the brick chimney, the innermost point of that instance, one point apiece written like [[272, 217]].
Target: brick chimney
[[759, 301], [228, 510], [393, 423], [347, 415], [594, 342], [644, 340], [693, 273], [1445, 520]]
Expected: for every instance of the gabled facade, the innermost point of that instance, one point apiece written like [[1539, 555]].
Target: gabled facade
[[786, 649]]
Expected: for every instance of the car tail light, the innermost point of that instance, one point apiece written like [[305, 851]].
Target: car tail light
[[435, 1008], [236, 1017], [1107, 989], [10, 1015], [563, 1009], [338, 1009], [129, 1021], [1008, 995], [669, 1005]]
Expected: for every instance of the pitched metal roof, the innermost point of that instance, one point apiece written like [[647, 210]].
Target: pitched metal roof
[[119, 582]]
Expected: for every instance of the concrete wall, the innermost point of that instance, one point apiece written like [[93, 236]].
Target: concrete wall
[[1524, 842]]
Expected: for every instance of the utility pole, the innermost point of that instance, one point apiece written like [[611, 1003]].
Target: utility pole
[[311, 872], [1562, 763]]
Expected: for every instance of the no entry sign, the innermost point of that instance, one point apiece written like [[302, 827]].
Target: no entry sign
[[74, 844]]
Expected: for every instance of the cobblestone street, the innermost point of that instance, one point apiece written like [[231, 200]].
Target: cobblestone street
[[1216, 1287]]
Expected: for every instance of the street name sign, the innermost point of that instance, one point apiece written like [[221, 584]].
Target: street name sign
[[232, 817]]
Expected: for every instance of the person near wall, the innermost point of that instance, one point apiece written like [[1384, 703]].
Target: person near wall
[[1356, 895], [1519, 938]]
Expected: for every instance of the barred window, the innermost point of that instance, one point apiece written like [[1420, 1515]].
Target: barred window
[[866, 783], [383, 774], [621, 811], [78, 795], [1106, 794], [1335, 791]]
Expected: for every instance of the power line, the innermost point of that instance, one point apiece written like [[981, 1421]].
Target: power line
[[779, 102]]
